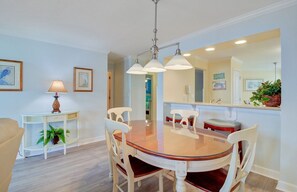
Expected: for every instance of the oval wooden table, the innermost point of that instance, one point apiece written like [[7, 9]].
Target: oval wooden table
[[177, 148]]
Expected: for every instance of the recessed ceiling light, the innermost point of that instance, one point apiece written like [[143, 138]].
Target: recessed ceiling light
[[187, 54], [210, 49], [240, 42]]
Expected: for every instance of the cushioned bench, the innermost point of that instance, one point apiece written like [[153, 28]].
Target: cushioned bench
[[225, 126]]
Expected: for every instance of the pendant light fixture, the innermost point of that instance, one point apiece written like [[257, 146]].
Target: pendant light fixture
[[154, 65], [178, 62], [136, 69]]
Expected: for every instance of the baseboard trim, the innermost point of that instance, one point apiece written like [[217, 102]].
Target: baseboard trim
[[286, 187], [266, 172], [91, 140], [80, 142]]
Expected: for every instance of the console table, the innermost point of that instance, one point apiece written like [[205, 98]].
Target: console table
[[41, 121]]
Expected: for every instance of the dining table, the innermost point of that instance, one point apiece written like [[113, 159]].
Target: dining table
[[177, 147]]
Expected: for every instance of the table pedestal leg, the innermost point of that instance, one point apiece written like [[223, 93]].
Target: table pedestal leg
[[180, 183], [180, 174]]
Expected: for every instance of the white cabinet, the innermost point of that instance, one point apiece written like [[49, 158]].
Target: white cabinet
[[34, 123]]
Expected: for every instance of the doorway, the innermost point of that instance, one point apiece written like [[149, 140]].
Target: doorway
[[148, 97], [199, 85]]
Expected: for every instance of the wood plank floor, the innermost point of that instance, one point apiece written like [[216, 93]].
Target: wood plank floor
[[85, 169]]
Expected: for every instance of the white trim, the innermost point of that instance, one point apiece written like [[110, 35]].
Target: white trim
[[287, 187], [266, 172], [80, 142], [253, 14], [91, 140]]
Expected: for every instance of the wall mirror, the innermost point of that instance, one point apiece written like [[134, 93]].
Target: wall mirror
[[228, 72]]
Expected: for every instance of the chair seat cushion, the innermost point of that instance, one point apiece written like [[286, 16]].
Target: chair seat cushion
[[139, 167], [222, 123], [210, 181]]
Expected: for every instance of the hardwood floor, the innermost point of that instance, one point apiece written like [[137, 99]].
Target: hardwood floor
[[85, 169]]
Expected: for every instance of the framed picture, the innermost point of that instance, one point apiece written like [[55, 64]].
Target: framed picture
[[253, 84], [11, 75], [218, 76], [83, 79], [219, 85]]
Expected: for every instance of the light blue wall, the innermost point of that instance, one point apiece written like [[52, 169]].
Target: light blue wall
[[44, 62], [285, 19]]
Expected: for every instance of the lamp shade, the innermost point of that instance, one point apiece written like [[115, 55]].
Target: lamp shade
[[57, 86], [136, 69], [178, 62], [154, 66]]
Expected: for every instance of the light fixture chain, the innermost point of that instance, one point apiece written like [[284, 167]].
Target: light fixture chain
[[155, 48], [156, 21]]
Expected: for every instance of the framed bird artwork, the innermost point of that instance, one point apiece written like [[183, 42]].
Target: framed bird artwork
[[11, 75]]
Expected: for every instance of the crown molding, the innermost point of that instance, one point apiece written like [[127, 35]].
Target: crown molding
[[253, 14]]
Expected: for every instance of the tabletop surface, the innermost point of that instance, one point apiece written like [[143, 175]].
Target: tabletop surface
[[176, 142]]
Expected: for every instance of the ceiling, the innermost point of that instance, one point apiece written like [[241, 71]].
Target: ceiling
[[122, 27], [259, 53]]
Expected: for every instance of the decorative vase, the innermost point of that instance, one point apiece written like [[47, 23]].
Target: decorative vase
[[55, 140], [274, 101]]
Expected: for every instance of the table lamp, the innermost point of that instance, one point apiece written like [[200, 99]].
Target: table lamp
[[56, 87]]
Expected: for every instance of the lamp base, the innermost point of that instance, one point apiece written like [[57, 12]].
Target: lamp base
[[56, 105]]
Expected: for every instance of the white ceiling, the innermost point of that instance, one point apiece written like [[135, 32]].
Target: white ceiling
[[121, 26], [259, 53]]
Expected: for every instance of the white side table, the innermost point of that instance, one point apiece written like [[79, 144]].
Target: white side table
[[43, 119]]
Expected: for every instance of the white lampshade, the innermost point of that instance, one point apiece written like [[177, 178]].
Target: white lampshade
[[136, 69], [154, 66], [57, 86], [178, 62]]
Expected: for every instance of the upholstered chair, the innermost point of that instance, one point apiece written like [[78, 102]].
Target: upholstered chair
[[10, 138]]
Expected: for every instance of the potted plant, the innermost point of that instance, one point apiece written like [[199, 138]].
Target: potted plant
[[268, 94], [53, 135]]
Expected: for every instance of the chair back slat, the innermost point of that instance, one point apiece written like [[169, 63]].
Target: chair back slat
[[185, 114], [239, 171], [118, 112], [118, 152]]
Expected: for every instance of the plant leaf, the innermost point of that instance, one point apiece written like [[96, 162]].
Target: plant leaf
[[62, 137], [40, 140], [51, 127], [46, 141]]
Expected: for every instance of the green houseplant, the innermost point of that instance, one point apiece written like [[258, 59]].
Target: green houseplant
[[268, 94], [52, 134]]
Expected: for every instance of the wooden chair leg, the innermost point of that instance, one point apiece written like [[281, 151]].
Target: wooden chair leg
[[130, 185], [110, 167], [160, 182], [115, 181]]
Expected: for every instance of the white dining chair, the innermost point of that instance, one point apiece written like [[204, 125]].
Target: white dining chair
[[131, 168], [118, 112], [185, 115], [233, 179]]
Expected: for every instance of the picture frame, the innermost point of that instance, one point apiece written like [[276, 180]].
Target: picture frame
[[11, 75], [252, 84], [219, 76], [82, 79], [219, 85]]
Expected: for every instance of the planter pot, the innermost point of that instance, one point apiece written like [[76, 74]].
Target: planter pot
[[55, 140], [274, 101]]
